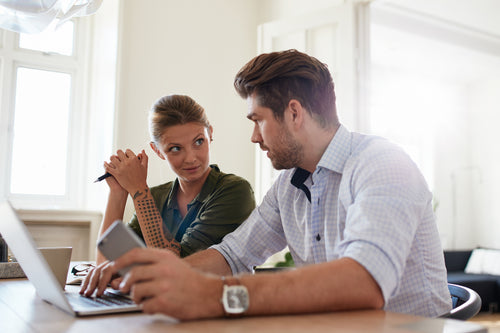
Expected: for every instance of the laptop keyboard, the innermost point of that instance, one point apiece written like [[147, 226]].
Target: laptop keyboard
[[106, 300]]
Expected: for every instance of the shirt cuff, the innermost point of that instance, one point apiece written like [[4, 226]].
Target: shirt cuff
[[377, 263], [220, 248]]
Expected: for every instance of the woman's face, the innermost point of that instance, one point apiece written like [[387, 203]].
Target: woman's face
[[187, 149]]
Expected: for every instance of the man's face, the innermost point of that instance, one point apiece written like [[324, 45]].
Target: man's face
[[273, 136]]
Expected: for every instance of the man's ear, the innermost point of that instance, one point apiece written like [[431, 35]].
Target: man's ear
[[296, 112], [156, 150]]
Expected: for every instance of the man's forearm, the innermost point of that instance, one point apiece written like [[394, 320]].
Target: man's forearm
[[338, 285], [209, 261], [333, 286]]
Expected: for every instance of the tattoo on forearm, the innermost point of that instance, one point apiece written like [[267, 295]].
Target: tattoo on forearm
[[137, 194], [155, 234]]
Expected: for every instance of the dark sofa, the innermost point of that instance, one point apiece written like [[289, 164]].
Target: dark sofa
[[486, 285]]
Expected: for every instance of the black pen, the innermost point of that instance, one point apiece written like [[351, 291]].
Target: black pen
[[106, 175]]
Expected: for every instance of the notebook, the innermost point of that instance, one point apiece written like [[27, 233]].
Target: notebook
[[39, 273]]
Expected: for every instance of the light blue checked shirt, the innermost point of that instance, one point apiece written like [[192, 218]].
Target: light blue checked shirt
[[369, 202]]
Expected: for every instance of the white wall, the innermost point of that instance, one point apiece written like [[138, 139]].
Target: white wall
[[486, 101], [101, 104], [454, 172], [481, 14], [277, 9], [192, 47], [186, 47], [195, 47], [459, 111]]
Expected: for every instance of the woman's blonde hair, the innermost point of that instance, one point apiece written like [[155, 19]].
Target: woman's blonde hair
[[174, 110]]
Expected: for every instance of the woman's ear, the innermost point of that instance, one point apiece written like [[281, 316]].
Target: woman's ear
[[156, 150], [210, 130]]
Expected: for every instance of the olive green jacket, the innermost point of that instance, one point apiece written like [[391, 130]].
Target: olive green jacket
[[225, 201]]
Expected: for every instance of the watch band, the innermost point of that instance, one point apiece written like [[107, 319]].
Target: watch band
[[230, 280]]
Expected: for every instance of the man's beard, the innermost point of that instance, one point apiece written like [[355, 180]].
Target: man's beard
[[287, 153]]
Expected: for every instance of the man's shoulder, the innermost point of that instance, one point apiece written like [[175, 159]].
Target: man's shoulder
[[378, 159], [372, 146]]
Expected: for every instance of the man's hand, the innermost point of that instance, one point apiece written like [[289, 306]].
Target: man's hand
[[163, 283], [99, 278], [169, 285]]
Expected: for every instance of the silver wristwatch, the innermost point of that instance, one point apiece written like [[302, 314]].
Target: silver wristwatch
[[234, 297]]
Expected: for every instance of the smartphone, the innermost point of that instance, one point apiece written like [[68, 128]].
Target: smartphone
[[117, 240]]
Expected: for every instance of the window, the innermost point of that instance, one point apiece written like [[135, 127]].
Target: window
[[434, 91], [43, 117]]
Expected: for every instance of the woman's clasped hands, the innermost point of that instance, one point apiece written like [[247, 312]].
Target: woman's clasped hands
[[128, 169]]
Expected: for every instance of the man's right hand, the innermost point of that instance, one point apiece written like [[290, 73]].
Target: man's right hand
[[99, 278]]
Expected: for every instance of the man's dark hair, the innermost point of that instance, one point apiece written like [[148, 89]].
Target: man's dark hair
[[278, 77]]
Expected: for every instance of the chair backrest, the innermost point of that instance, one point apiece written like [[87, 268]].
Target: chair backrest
[[466, 302]]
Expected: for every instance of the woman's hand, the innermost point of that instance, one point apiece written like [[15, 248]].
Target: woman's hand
[[129, 170], [114, 187]]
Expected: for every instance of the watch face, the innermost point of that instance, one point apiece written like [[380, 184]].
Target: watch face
[[235, 299]]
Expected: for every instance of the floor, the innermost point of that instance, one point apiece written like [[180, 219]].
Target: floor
[[491, 321]]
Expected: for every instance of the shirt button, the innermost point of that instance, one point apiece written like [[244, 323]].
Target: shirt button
[[318, 237]]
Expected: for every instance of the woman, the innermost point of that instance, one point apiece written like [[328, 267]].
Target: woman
[[195, 210]]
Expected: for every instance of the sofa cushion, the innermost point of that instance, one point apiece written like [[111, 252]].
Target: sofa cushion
[[484, 261], [456, 277]]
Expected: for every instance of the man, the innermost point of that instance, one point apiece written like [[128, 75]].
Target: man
[[354, 211]]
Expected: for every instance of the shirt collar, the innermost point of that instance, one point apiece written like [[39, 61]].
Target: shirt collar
[[208, 187], [334, 158], [210, 183], [299, 177], [337, 152]]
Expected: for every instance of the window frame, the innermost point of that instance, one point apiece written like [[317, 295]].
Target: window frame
[[77, 66]]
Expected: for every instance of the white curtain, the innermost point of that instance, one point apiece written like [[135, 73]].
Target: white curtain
[[34, 16]]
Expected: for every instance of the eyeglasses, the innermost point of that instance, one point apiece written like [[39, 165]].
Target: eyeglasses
[[81, 269]]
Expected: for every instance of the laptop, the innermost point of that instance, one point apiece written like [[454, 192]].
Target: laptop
[[39, 273]]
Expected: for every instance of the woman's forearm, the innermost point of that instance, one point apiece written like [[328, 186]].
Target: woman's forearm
[[114, 211], [155, 235]]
